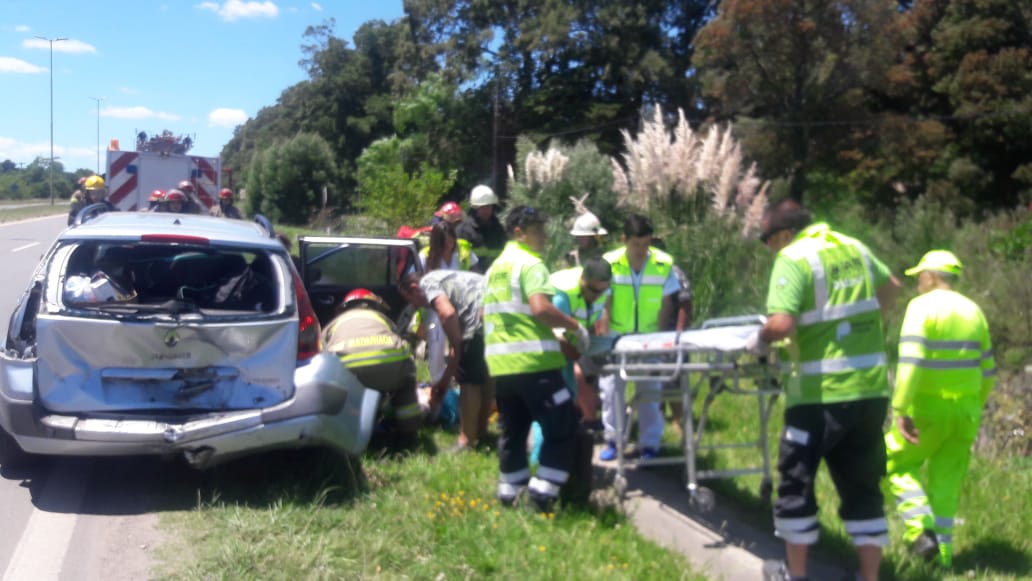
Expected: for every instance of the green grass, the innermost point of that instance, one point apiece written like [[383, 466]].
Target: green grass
[[41, 208], [429, 515], [993, 542]]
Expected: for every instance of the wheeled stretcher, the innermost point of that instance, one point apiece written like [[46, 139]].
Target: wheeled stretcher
[[712, 358]]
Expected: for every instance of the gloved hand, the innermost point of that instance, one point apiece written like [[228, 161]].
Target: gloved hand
[[757, 346], [583, 339]]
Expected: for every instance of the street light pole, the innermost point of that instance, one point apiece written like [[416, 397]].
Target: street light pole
[[98, 100], [51, 168]]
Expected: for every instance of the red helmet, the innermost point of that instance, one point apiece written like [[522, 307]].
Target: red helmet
[[157, 196], [361, 296], [82, 180], [185, 186], [226, 194], [450, 212], [175, 195]]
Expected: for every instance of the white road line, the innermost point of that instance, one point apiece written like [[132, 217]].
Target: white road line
[[40, 552], [25, 247]]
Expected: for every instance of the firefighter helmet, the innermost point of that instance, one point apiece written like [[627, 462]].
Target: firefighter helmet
[[185, 186], [482, 196], [450, 212], [175, 195], [157, 196], [363, 297], [587, 224], [94, 183], [226, 194]]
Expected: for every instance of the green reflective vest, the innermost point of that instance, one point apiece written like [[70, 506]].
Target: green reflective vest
[[514, 341], [945, 356], [639, 313], [362, 337], [568, 282], [464, 254], [837, 352]]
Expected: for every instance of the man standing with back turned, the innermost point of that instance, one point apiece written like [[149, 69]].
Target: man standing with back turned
[[826, 290], [945, 373]]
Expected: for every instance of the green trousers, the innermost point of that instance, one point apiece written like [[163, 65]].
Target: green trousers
[[943, 452]]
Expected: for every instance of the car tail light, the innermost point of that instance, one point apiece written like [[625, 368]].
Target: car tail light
[[309, 335]]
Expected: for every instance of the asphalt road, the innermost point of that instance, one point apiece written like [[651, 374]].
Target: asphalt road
[[70, 519]]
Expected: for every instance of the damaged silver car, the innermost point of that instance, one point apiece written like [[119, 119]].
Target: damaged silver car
[[150, 333]]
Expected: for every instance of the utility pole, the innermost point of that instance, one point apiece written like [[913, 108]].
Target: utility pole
[[98, 100], [51, 168]]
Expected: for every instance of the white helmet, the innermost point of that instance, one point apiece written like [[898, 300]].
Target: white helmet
[[587, 224], [482, 196]]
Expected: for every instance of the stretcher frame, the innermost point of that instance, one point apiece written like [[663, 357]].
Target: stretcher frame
[[722, 368]]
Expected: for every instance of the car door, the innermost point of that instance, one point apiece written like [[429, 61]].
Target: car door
[[333, 266]]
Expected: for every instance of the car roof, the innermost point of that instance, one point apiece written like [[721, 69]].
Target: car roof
[[133, 225]]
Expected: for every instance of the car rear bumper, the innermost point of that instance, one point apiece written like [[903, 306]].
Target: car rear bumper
[[329, 408]]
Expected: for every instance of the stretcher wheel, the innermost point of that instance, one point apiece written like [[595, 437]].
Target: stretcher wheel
[[703, 499], [766, 490]]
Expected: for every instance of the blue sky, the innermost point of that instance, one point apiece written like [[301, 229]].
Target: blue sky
[[196, 68]]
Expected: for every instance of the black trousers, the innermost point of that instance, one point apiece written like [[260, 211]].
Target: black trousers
[[544, 398]]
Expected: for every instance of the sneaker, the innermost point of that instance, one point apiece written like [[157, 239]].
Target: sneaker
[[774, 570], [649, 453], [608, 453], [925, 546]]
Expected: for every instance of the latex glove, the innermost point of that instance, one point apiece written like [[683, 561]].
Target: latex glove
[[757, 346], [583, 339]]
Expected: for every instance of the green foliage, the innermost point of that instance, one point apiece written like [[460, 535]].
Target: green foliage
[[391, 193], [289, 178]]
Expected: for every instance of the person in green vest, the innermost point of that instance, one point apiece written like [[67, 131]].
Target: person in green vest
[[525, 358], [643, 300], [943, 378], [368, 344], [826, 296]]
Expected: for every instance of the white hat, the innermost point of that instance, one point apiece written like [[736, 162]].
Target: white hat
[[587, 224], [482, 196]]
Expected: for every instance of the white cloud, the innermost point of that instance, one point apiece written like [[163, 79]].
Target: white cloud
[[22, 28], [222, 117], [239, 9], [69, 45], [15, 150], [137, 112], [13, 65], [316, 6]]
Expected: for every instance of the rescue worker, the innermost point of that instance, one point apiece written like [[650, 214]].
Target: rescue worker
[[369, 345], [524, 357], [175, 202], [189, 206], [78, 195], [582, 293], [643, 301], [587, 232], [456, 297], [95, 193], [448, 212], [825, 293], [446, 250], [943, 378], [225, 207], [482, 228], [155, 201]]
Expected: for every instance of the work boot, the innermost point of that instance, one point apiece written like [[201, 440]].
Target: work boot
[[540, 503], [775, 570], [925, 546]]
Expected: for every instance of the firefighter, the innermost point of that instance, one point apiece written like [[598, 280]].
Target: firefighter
[[369, 345], [175, 202], [587, 232], [225, 207], [644, 299], [526, 361], [95, 193], [155, 201], [943, 378], [482, 228], [189, 206], [826, 290], [78, 195], [448, 212]]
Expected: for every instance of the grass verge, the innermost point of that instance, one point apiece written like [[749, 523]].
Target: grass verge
[[425, 516], [14, 210]]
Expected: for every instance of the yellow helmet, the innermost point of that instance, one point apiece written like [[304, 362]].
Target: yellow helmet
[[94, 183]]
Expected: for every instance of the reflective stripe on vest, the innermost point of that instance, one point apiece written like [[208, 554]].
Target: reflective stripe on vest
[[837, 352], [368, 356], [514, 341], [637, 312]]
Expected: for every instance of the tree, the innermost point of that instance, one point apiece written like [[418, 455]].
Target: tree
[[289, 178], [391, 193], [797, 75]]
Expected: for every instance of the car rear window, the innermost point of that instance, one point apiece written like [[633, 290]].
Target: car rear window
[[140, 277]]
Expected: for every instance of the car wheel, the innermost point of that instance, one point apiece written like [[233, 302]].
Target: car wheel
[[11, 454]]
